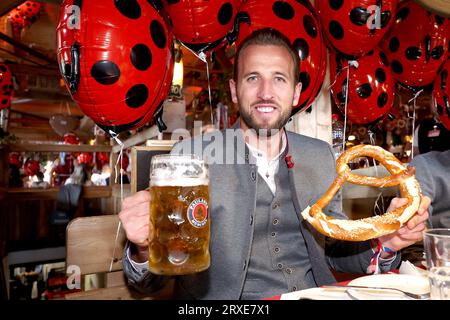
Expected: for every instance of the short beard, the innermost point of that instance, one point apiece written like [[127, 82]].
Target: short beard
[[269, 131]]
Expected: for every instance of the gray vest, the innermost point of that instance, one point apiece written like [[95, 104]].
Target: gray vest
[[274, 267]]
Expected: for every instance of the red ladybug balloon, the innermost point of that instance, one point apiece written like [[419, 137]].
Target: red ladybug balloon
[[31, 167], [6, 86], [116, 59], [416, 45], [355, 27], [85, 157], [441, 95], [200, 24], [371, 87], [297, 21], [30, 10]]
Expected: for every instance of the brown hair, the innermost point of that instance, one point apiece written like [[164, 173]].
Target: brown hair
[[265, 37]]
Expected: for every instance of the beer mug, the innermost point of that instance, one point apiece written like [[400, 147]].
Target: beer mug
[[179, 214]]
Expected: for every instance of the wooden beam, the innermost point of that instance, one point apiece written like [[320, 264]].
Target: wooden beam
[[58, 147], [26, 194], [25, 48], [33, 70], [7, 5]]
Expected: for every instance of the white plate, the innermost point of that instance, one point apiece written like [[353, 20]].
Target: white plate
[[410, 283]]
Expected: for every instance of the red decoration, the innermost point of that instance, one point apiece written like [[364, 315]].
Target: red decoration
[[355, 27], [101, 158], [71, 138], [202, 24], [441, 95], [85, 157], [371, 87], [23, 16], [297, 20], [6, 86], [31, 167], [125, 161], [116, 60], [416, 45], [15, 159]]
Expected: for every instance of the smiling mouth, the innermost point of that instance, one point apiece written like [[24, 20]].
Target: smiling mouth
[[265, 108]]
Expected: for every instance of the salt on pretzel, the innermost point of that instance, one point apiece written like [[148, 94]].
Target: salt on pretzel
[[376, 226]]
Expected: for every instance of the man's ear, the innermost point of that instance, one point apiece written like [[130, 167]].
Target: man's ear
[[233, 90], [297, 91]]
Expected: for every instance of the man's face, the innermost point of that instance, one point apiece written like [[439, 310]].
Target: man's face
[[265, 88]]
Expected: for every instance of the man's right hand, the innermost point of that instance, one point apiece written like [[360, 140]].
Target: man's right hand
[[135, 218]]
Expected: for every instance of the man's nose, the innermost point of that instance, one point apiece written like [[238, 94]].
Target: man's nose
[[265, 91]]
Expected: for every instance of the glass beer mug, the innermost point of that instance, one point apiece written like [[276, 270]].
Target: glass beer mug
[[179, 214]]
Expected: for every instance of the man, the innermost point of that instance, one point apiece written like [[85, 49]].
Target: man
[[260, 245], [433, 174]]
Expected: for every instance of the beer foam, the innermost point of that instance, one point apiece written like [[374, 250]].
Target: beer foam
[[179, 182], [180, 173]]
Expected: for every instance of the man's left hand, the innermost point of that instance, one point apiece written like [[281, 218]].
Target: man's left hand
[[412, 231]]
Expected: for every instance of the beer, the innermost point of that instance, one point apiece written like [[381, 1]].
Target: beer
[[179, 214]]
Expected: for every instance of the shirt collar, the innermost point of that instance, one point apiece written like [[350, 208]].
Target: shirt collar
[[256, 153]]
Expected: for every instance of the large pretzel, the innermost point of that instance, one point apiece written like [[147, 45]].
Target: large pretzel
[[373, 227]]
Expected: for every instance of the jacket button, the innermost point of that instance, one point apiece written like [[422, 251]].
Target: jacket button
[[253, 175], [275, 222], [275, 205], [251, 220], [288, 270]]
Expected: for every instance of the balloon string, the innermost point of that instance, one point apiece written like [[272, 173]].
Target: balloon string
[[414, 120], [119, 158], [345, 107], [202, 57], [377, 208], [209, 89]]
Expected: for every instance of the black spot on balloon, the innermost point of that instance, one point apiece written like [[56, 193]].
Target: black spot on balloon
[[302, 47], [385, 18], [11, 87], [359, 16], [283, 10], [225, 13], [364, 91], [136, 96], [394, 44], [141, 57], [439, 20], [380, 75], [371, 52], [4, 101], [413, 53], [384, 59], [105, 72], [336, 30], [437, 52], [305, 79], [129, 8], [157, 33], [444, 75], [310, 26], [173, 1], [397, 67], [3, 69], [382, 99], [5, 87], [402, 14], [439, 109], [335, 4]]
